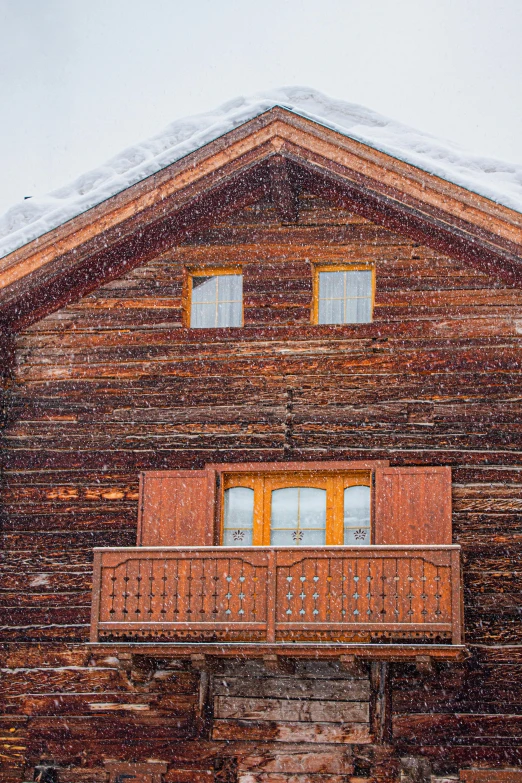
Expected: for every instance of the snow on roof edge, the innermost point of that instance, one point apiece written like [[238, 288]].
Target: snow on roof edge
[[496, 180]]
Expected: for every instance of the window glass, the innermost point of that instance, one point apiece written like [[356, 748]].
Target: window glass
[[357, 516], [216, 300], [239, 516], [345, 297], [298, 516]]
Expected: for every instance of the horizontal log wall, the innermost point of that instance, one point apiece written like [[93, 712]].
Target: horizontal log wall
[[115, 384]]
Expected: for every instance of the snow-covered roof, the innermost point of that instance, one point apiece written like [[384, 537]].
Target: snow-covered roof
[[498, 181]]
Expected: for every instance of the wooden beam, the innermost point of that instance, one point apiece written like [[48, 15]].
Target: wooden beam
[[424, 664], [198, 662], [400, 653], [31, 303], [275, 663], [491, 775], [352, 664], [381, 707], [282, 191], [484, 250], [143, 668]]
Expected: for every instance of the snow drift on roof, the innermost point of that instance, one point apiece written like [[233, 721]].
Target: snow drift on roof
[[499, 181]]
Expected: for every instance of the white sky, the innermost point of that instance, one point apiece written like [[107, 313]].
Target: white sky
[[82, 79]]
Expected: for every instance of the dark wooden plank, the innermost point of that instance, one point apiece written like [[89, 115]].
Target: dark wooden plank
[[113, 384]]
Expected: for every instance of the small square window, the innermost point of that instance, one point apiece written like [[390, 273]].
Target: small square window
[[343, 296], [216, 300]]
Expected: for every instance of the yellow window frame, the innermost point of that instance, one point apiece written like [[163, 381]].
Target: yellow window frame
[[205, 271], [340, 267], [264, 484]]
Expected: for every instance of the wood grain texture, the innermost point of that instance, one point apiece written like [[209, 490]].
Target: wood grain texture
[[176, 509], [413, 506], [113, 384], [383, 188]]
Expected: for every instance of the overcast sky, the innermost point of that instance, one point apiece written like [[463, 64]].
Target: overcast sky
[[82, 79]]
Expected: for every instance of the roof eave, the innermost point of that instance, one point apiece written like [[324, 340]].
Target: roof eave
[[276, 131]]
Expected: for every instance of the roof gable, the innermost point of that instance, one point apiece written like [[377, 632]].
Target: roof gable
[[275, 154], [494, 179]]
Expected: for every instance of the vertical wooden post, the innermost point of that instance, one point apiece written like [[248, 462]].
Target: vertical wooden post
[[206, 704], [96, 596], [456, 598], [271, 591], [381, 714]]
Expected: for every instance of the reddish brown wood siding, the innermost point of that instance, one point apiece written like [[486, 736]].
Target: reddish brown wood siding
[[114, 385]]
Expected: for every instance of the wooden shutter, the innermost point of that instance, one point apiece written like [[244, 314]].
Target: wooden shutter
[[413, 506], [177, 508]]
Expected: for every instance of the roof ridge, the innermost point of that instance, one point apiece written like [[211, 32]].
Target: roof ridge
[[496, 180]]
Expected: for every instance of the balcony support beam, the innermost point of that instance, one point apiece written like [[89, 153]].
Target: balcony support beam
[[425, 665], [199, 662], [381, 706], [353, 665], [275, 663], [117, 653]]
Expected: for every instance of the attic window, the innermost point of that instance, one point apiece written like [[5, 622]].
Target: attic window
[[215, 299], [343, 295]]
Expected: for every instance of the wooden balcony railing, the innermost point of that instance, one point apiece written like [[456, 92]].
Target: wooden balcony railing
[[269, 595]]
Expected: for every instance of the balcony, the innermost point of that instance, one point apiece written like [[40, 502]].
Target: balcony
[[203, 598]]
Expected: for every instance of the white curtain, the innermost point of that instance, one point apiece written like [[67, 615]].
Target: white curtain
[[239, 516], [345, 297], [357, 516], [216, 301], [298, 517]]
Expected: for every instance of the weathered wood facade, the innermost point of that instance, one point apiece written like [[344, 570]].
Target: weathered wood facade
[[103, 379]]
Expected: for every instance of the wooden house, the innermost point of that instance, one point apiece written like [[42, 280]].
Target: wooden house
[[261, 475]]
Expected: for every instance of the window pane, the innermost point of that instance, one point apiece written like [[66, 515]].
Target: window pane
[[298, 516], [203, 316], [331, 311], [284, 508], [216, 301], [357, 536], [345, 296], [297, 538], [357, 516], [331, 285], [358, 311], [358, 282], [239, 516], [230, 288], [204, 289], [229, 314]]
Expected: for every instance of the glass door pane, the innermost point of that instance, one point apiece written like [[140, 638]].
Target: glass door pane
[[239, 516], [357, 516], [298, 516]]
